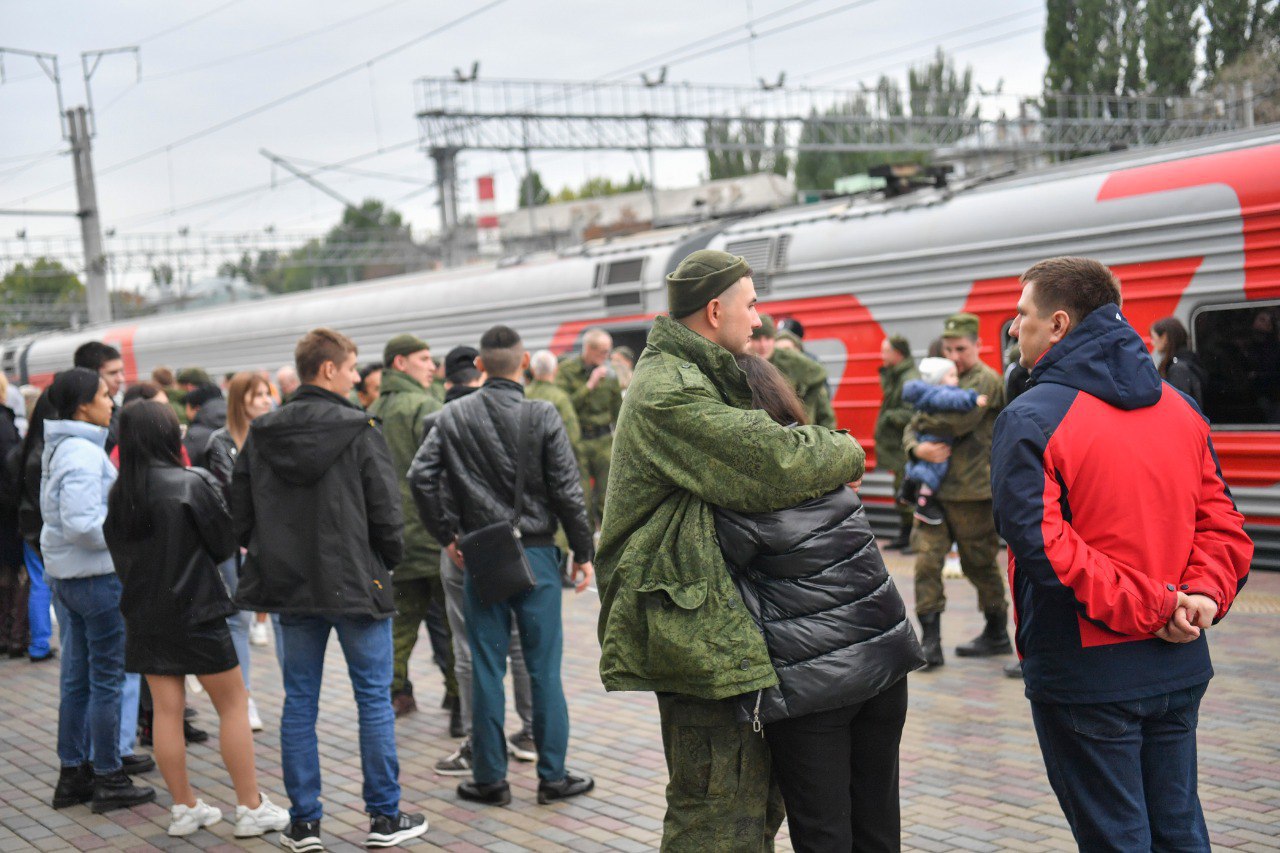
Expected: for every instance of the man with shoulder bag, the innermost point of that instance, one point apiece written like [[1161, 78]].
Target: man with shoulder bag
[[497, 473]]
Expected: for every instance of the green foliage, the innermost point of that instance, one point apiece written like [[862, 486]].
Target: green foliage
[[46, 280], [599, 187], [531, 189], [1088, 43], [1237, 28], [770, 157], [938, 90], [1170, 34]]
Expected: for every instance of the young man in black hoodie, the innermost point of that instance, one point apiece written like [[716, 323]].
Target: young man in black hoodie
[[317, 506]]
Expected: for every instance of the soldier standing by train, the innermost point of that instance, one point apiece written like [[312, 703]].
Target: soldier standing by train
[[597, 397], [898, 369], [965, 497], [807, 376], [671, 619]]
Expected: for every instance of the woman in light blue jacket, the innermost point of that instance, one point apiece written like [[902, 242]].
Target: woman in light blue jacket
[[76, 478]]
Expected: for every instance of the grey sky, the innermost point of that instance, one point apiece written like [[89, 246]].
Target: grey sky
[[561, 39]]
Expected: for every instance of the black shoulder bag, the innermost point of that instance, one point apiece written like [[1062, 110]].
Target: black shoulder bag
[[494, 556]]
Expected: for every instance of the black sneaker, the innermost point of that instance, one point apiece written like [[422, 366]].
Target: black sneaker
[[458, 764], [137, 763], [909, 492], [302, 836], [192, 734], [928, 510], [522, 746], [387, 831], [75, 786], [571, 785], [492, 794], [117, 791]]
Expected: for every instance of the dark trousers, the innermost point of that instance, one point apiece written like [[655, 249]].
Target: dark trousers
[[420, 601], [838, 771], [1125, 772]]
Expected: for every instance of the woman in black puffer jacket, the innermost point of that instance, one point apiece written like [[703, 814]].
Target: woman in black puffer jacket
[[838, 634]]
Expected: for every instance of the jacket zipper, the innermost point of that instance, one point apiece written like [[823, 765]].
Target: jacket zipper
[[756, 725]]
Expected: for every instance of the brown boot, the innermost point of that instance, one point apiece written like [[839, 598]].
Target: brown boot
[[403, 703]]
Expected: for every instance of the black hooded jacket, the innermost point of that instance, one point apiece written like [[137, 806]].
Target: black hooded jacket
[[814, 581], [211, 417], [170, 578], [315, 502]]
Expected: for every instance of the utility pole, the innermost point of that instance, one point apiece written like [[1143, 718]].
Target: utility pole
[[95, 262]]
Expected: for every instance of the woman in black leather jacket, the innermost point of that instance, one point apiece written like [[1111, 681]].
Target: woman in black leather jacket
[[167, 529], [837, 631]]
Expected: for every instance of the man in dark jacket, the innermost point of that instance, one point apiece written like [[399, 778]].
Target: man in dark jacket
[[316, 504], [898, 368], [106, 361], [1124, 546], [468, 481], [206, 414]]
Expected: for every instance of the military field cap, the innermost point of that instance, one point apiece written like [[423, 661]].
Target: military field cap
[[701, 277], [933, 370], [459, 358], [768, 328], [959, 325], [193, 376], [402, 345], [901, 344]]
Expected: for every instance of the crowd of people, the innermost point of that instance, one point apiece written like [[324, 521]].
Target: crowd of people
[[171, 522]]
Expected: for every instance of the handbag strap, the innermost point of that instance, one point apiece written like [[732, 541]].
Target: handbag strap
[[519, 448]]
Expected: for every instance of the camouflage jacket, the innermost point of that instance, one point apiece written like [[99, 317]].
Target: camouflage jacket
[[969, 477], [809, 378], [671, 619], [894, 415], [596, 407], [556, 396], [401, 406]]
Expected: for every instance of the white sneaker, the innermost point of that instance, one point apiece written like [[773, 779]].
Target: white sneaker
[[258, 634], [184, 820], [267, 817], [255, 719]]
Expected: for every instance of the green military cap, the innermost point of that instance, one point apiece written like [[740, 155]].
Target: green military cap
[[402, 345], [960, 325], [701, 277], [193, 376], [768, 328]]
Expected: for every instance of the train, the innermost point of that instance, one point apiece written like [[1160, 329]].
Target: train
[[1191, 228]]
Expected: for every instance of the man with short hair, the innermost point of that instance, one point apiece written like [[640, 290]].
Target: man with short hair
[[597, 397], [315, 502], [897, 369], [287, 382], [965, 499], [468, 481], [206, 411], [543, 367], [807, 376], [106, 361], [671, 620], [403, 405], [1124, 547]]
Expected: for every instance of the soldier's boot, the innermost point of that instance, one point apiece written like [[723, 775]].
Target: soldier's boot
[[931, 639], [994, 639], [903, 539]]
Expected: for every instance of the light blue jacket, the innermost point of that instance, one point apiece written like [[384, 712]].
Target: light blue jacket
[[76, 477]]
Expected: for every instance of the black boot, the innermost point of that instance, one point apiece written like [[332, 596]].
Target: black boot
[[117, 791], [75, 786], [994, 639], [456, 729], [931, 639]]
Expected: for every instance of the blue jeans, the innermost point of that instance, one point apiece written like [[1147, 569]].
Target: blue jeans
[[129, 693], [38, 598], [542, 639], [1125, 772], [239, 621], [91, 631], [366, 644]]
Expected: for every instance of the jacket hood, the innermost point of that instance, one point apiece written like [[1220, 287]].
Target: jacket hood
[[714, 361], [302, 440], [212, 414], [1103, 357], [457, 392], [398, 382], [56, 431]]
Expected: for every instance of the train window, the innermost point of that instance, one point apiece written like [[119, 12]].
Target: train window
[[624, 272], [1239, 348], [621, 283]]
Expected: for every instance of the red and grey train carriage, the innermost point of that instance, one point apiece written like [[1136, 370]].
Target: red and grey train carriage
[[1193, 230]]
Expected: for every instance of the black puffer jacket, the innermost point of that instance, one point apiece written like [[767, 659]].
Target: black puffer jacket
[[211, 417], [814, 580], [30, 521], [315, 501], [465, 472], [170, 578]]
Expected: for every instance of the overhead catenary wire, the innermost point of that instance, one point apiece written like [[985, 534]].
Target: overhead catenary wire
[[188, 22]]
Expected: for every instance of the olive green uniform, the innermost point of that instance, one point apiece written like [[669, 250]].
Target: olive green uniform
[[671, 619], [597, 410], [419, 597], [895, 414], [540, 390], [809, 378], [965, 498]]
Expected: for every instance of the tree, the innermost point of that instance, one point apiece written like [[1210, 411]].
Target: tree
[[46, 280], [531, 188], [938, 90], [1092, 45], [1170, 35], [1237, 28], [162, 275], [600, 187], [746, 131]]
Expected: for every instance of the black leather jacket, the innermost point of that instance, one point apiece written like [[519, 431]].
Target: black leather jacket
[[220, 459], [814, 581], [170, 578], [464, 474], [212, 416]]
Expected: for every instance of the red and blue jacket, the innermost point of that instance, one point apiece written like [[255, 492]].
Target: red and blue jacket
[[1106, 486]]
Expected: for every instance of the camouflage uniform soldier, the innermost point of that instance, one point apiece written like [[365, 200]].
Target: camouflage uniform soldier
[[543, 366], [807, 376], [899, 369], [403, 403], [597, 397], [965, 497], [671, 619]]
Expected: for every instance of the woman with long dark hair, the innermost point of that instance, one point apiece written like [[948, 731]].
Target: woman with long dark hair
[[840, 641], [76, 477], [168, 528], [1176, 362], [39, 596]]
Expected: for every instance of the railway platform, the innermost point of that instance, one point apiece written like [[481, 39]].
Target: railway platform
[[972, 778]]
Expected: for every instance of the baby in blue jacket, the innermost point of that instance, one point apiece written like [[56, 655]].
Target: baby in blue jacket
[[934, 393]]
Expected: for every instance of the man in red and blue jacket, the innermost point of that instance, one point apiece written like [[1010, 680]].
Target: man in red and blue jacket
[[1124, 545]]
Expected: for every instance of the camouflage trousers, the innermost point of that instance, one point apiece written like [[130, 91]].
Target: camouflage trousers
[[722, 795], [971, 526], [419, 601], [595, 458]]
